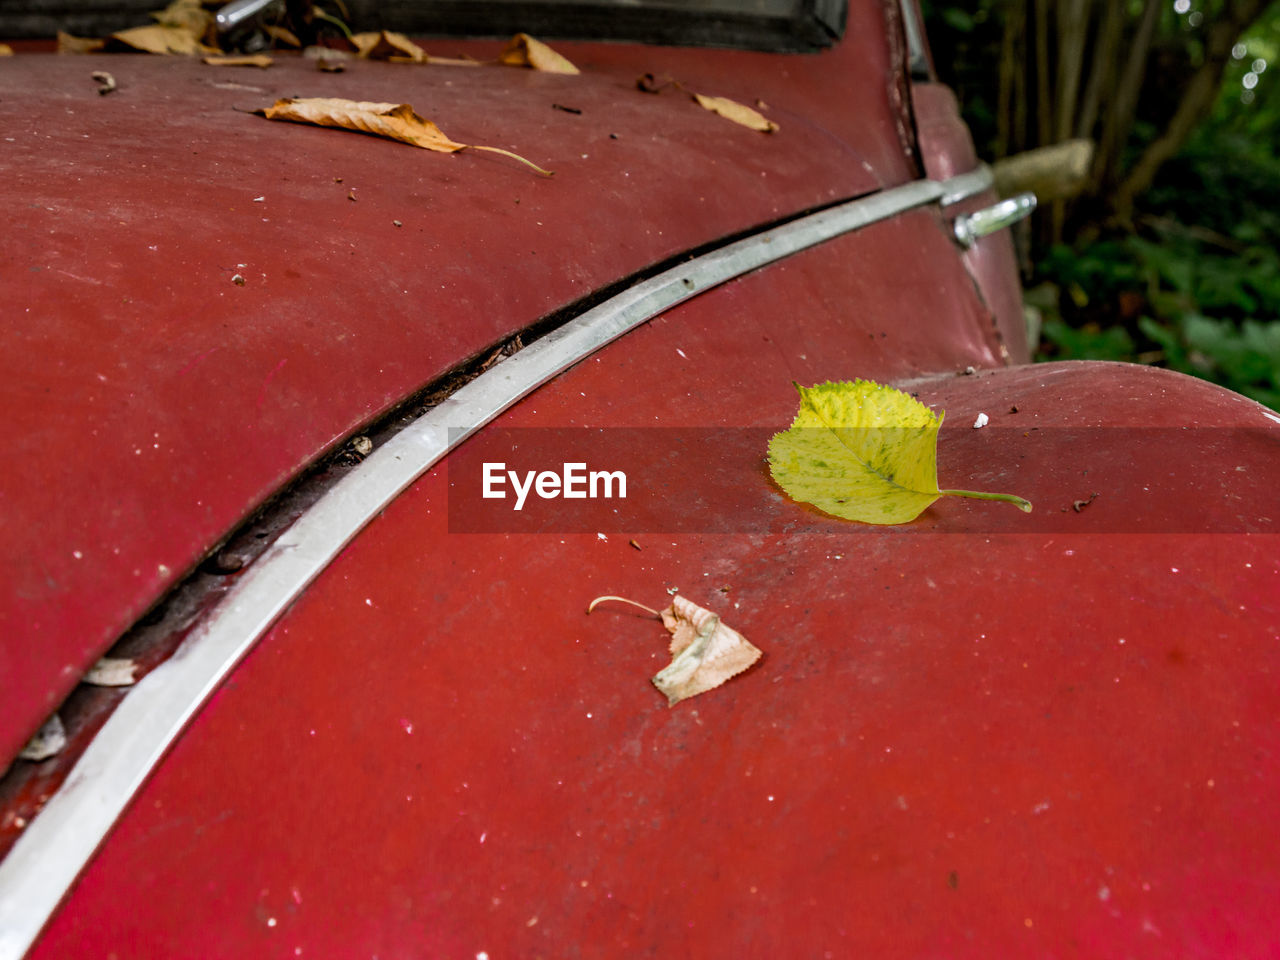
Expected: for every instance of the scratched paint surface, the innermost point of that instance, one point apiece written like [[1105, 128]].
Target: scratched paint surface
[[153, 402]]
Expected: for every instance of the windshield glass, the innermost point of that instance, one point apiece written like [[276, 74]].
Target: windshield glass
[[753, 24], [778, 25]]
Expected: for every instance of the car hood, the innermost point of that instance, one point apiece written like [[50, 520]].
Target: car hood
[[200, 302]]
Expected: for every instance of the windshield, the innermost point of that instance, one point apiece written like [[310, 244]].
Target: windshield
[[778, 25], [781, 25]]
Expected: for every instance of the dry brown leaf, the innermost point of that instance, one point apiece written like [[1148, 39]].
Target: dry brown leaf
[[112, 672], [281, 35], [704, 651], [163, 39], [69, 44], [386, 45], [391, 120], [252, 60], [525, 51], [105, 81], [649, 83], [737, 112], [6, 50], [189, 15], [453, 62]]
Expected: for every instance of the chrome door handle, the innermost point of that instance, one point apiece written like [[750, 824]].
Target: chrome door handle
[[969, 227]]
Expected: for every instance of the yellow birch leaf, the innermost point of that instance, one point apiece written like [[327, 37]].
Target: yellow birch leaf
[[866, 452], [162, 39], [69, 44], [391, 120], [252, 60], [704, 651], [525, 51], [737, 112]]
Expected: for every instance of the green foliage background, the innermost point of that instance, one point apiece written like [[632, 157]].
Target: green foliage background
[[1192, 280]]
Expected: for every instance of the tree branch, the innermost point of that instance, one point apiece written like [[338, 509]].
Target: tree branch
[[1196, 103]]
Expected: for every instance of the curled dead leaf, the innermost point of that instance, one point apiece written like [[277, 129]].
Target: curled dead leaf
[[283, 36], [73, 45], [648, 83], [391, 120], [112, 672], [525, 51], [253, 60], [160, 38], [188, 15], [48, 741], [705, 652], [105, 81], [388, 45], [737, 112]]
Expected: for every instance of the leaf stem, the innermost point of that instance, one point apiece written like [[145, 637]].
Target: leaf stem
[[514, 156], [330, 18], [593, 603], [1023, 505]]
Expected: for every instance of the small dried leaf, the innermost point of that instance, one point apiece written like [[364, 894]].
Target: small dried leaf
[[525, 51], [253, 60], [49, 740], [737, 112], [648, 83], [705, 652], [69, 44], [189, 15], [112, 672], [281, 35], [390, 120], [105, 81], [386, 45], [162, 39]]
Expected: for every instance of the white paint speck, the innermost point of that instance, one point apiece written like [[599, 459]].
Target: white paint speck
[[1104, 894], [271, 921], [1271, 416], [77, 554], [681, 352], [368, 601], [981, 422]]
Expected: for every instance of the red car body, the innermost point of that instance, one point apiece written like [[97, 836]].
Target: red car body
[[372, 717]]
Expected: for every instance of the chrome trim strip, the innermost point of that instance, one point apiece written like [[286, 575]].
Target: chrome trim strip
[[55, 847]]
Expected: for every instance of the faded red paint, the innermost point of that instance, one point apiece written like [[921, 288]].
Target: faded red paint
[[947, 150], [156, 403], [1038, 737]]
